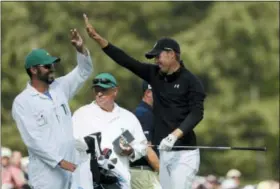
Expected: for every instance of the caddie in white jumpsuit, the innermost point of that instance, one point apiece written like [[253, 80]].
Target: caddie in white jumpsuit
[[105, 116], [43, 116]]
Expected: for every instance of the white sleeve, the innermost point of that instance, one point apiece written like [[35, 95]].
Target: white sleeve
[[34, 136], [74, 80], [140, 142], [79, 121], [79, 126]]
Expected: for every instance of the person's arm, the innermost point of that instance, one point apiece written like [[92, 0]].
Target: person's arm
[[196, 104], [152, 159], [18, 177], [139, 144], [80, 130], [79, 122], [143, 70], [74, 80], [34, 133], [146, 120]]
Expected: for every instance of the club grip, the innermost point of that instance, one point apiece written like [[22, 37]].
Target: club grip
[[249, 148]]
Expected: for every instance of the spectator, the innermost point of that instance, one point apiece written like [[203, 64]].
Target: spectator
[[12, 176], [229, 184], [16, 159], [24, 164], [198, 182], [235, 175], [249, 187], [201, 186], [144, 172], [212, 182], [268, 184]]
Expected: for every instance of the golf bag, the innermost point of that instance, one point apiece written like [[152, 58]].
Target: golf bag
[[100, 162]]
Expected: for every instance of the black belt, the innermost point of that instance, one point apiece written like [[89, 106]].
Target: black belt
[[142, 167]]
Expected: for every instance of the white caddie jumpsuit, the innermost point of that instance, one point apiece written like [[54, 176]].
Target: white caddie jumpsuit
[[45, 126], [90, 119]]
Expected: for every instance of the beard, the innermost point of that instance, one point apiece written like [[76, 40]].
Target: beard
[[47, 78]]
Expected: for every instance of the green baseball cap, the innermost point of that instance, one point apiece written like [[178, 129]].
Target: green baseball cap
[[39, 57], [105, 80]]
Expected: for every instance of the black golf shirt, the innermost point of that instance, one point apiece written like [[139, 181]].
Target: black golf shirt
[[178, 98]]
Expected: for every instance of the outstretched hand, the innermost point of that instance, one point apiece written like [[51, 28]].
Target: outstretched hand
[[93, 34], [90, 29], [77, 40]]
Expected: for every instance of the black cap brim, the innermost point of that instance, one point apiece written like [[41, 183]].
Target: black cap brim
[[152, 54]]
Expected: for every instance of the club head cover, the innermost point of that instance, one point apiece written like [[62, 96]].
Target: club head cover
[[107, 153], [94, 142], [105, 163]]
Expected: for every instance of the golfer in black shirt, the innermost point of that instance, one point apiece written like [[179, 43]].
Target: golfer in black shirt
[[178, 106]]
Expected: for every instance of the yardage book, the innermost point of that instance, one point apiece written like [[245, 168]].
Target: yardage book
[[125, 138]]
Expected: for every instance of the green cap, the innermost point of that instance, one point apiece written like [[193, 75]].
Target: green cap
[[39, 57], [105, 80]]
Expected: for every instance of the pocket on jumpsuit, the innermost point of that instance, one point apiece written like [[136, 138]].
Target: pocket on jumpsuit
[[41, 118]]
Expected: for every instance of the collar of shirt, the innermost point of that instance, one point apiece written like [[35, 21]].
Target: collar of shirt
[[34, 92], [171, 77], [115, 110]]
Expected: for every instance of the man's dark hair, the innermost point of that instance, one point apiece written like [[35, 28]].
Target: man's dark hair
[[177, 57], [28, 71]]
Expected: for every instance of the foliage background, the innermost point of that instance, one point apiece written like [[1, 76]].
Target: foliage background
[[232, 46]]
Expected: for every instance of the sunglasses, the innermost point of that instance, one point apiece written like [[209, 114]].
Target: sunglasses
[[102, 81], [47, 66]]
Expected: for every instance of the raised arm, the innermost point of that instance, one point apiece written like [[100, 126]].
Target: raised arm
[[74, 80], [143, 70]]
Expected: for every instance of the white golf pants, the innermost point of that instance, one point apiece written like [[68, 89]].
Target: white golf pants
[[178, 168]]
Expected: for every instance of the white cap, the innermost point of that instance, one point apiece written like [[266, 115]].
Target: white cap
[[249, 187], [6, 152], [233, 173], [229, 184], [268, 184]]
